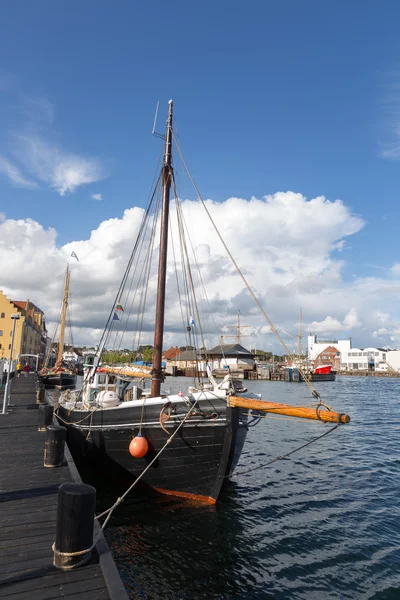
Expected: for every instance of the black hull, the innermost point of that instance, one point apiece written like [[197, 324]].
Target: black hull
[[323, 377], [195, 464], [59, 380]]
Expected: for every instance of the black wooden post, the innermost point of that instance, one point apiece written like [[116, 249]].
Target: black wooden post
[[40, 394], [74, 528], [54, 446], [45, 414]]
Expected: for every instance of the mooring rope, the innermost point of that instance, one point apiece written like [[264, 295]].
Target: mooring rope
[[119, 500]]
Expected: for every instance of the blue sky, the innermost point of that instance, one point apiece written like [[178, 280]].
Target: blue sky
[[269, 96]]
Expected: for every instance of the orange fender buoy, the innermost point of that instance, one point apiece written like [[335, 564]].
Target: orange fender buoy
[[138, 446]]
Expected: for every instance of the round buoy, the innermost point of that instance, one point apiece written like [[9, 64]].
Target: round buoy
[[138, 446]]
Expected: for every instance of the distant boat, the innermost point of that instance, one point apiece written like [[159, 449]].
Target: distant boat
[[62, 374], [323, 373]]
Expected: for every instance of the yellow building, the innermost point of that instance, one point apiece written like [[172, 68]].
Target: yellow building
[[30, 329]]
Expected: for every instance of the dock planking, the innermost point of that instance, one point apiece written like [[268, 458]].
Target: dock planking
[[28, 509]]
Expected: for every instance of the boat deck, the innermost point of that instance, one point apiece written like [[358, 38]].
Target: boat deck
[[28, 497]]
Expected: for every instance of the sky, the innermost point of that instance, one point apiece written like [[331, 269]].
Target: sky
[[288, 114]]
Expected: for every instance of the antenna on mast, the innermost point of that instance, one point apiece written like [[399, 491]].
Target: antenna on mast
[[154, 132]]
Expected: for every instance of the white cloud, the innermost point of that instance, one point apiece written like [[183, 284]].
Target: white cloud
[[395, 270], [62, 171], [285, 244], [38, 160], [97, 197], [13, 173]]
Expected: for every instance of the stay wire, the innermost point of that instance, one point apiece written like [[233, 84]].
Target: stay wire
[[257, 302], [278, 458]]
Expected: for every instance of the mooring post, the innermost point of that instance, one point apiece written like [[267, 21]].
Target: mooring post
[[54, 446], [75, 523], [40, 394], [45, 414]]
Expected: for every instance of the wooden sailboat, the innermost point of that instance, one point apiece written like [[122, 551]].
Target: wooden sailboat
[[61, 375], [185, 444]]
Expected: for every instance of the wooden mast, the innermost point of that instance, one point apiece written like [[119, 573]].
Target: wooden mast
[[63, 318], [162, 260]]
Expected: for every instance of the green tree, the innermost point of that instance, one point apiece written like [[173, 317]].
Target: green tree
[[147, 354]]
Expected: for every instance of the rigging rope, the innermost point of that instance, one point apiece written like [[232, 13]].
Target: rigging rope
[[276, 459], [110, 510], [257, 302]]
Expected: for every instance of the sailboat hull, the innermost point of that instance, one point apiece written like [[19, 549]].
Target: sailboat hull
[[195, 464], [58, 380]]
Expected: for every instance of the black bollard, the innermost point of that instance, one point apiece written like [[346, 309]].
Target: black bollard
[[75, 522], [45, 414], [54, 446], [40, 395]]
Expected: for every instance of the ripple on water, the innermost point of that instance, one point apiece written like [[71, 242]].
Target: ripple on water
[[322, 525]]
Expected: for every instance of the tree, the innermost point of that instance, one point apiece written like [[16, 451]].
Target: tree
[[147, 354]]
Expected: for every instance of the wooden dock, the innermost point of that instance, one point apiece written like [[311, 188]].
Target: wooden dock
[[28, 505]]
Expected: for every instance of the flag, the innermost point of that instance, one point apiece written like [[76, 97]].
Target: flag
[[191, 322], [115, 317], [74, 256], [119, 307]]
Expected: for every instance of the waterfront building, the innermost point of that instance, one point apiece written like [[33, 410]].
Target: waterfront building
[[234, 356], [364, 359], [329, 356], [315, 346], [393, 359], [170, 356], [30, 330]]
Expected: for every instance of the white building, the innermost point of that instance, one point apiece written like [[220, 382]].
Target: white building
[[393, 359], [364, 359], [315, 347]]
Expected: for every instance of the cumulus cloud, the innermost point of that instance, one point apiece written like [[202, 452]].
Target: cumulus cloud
[[285, 245], [97, 197]]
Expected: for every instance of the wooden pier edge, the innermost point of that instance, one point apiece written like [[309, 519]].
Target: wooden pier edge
[[28, 501], [108, 567]]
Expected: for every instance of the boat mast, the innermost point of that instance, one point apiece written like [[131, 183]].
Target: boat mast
[[63, 318], [162, 260]]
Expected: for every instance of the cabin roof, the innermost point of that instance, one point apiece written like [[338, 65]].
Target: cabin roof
[[230, 349]]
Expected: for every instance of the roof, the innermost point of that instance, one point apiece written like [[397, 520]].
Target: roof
[[329, 349], [171, 353], [22, 305], [189, 355], [230, 349]]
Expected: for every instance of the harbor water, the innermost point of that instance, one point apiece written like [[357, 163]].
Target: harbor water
[[322, 524]]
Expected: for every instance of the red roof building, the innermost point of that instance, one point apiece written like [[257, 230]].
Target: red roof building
[[329, 356]]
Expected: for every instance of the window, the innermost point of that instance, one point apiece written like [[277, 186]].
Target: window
[[11, 333], [383, 356], [0, 346], [9, 346], [376, 353], [1, 333], [3, 315]]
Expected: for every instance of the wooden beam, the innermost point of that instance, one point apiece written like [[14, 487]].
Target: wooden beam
[[301, 412]]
